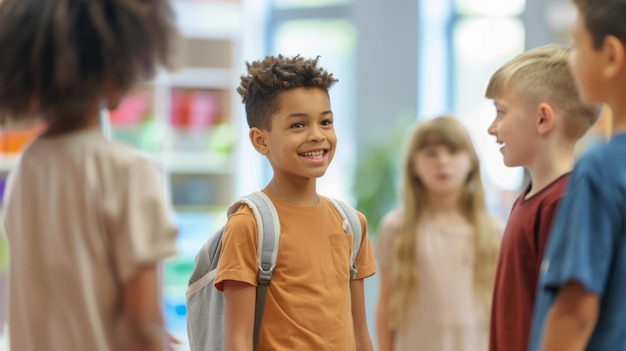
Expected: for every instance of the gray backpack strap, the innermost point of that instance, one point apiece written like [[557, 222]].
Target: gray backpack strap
[[351, 225], [268, 231]]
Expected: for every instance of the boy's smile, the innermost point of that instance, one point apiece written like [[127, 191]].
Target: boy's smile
[[315, 155], [302, 139]]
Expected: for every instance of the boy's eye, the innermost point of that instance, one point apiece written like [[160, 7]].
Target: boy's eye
[[327, 122], [499, 112], [297, 125]]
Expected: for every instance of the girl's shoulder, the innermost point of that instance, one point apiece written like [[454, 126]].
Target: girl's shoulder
[[391, 222]]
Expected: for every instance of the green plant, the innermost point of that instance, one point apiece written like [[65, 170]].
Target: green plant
[[375, 179]]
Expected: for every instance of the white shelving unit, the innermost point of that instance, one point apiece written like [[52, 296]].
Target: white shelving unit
[[207, 62], [202, 182]]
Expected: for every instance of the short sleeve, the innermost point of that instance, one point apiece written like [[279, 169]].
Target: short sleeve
[[365, 264], [582, 238], [142, 229], [238, 257], [387, 233]]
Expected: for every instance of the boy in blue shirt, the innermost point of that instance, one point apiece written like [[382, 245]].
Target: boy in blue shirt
[[581, 297]]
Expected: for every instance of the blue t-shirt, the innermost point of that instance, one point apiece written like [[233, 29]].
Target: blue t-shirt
[[587, 244]]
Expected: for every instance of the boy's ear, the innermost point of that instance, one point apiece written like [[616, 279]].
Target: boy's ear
[[545, 118], [257, 137], [613, 51]]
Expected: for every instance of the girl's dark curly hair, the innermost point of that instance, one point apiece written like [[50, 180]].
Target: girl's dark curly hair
[[267, 78], [60, 56]]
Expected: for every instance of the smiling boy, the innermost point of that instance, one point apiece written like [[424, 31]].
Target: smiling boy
[[581, 301], [538, 122], [312, 302]]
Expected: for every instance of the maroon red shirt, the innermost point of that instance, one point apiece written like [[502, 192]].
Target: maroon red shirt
[[519, 260]]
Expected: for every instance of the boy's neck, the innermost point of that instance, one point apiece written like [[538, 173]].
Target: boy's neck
[[615, 99], [296, 192], [549, 166], [618, 117]]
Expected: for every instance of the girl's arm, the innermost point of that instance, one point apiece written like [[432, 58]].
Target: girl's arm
[[239, 302], [142, 310], [571, 319], [361, 333], [384, 334]]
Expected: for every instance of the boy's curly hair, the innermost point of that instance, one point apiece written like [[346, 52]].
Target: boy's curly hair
[[602, 18], [259, 89], [60, 56]]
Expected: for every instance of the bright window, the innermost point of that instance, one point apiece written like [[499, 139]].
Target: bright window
[[309, 3], [491, 8], [481, 45]]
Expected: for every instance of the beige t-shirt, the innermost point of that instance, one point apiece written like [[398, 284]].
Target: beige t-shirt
[[82, 214], [446, 314], [308, 304]]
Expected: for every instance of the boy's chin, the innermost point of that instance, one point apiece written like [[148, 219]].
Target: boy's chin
[[319, 174], [511, 163]]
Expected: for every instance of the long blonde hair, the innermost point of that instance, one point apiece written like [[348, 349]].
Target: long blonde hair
[[446, 131]]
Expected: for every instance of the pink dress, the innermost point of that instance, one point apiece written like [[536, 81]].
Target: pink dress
[[446, 314]]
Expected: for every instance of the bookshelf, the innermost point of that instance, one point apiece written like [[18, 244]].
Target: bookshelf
[[188, 119], [200, 161], [196, 119]]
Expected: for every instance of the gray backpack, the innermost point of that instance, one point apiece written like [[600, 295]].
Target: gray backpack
[[205, 304]]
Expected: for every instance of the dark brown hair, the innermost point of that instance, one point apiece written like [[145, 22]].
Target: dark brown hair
[[60, 56], [602, 18], [259, 89]]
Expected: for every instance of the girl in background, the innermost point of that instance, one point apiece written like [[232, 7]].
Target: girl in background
[[437, 251], [86, 219]]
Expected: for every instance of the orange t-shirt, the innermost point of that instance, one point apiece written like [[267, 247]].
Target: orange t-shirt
[[308, 305]]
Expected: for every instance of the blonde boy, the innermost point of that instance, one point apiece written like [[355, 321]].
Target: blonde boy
[[538, 122], [581, 299]]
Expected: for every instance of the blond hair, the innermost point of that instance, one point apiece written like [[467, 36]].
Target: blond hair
[[446, 131], [541, 75]]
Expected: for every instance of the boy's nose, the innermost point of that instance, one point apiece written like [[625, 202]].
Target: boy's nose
[[492, 128], [316, 135]]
